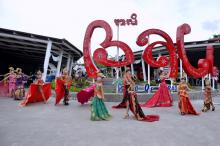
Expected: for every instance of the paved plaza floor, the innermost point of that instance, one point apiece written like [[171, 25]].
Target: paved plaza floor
[[48, 125]]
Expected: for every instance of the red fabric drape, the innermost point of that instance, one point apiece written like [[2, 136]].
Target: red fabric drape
[[123, 102], [34, 94], [137, 111], [161, 98], [185, 105], [60, 92], [4, 91], [84, 95]]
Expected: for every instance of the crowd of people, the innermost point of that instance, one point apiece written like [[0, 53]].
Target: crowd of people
[[39, 91], [12, 84]]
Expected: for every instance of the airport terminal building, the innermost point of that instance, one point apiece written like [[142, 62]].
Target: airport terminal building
[[32, 52]]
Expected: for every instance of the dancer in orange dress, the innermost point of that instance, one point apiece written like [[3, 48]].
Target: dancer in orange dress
[[63, 85], [162, 97], [208, 97], [38, 91], [184, 104]]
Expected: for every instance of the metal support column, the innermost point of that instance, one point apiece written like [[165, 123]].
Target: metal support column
[[47, 59], [59, 63], [132, 69], [68, 62], [213, 83], [203, 84], [71, 67], [148, 74], [181, 68], [143, 68]]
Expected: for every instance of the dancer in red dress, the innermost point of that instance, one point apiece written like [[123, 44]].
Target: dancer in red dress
[[38, 91], [135, 108], [162, 97], [127, 81], [63, 85]]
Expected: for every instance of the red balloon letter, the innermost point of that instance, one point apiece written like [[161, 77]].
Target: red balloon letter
[[100, 54], [163, 60], [203, 64]]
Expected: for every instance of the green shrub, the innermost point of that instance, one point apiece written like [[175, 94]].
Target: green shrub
[[190, 86], [81, 83], [76, 86], [53, 85], [175, 83], [152, 82], [75, 89]]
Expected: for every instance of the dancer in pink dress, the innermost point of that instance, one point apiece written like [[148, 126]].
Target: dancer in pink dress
[[11, 82]]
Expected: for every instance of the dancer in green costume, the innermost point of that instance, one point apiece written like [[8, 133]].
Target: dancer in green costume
[[98, 109]]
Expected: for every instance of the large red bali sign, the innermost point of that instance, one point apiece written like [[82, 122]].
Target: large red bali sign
[[100, 55]]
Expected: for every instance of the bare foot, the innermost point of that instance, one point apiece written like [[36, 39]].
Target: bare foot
[[126, 116]]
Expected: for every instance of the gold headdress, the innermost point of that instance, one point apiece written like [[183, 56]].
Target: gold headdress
[[11, 68], [65, 70], [99, 74], [134, 78], [39, 72], [207, 82], [127, 69], [18, 70]]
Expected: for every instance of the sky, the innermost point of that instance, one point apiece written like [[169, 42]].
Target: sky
[[69, 18]]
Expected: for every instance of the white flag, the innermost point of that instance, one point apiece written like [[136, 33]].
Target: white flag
[[56, 59]]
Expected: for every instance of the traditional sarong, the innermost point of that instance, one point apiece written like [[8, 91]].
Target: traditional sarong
[[208, 100], [138, 112], [184, 104], [125, 98], [12, 84], [19, 92], [99, 110]]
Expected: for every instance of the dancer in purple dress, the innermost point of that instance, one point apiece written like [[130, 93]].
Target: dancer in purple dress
[[20, 79]]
